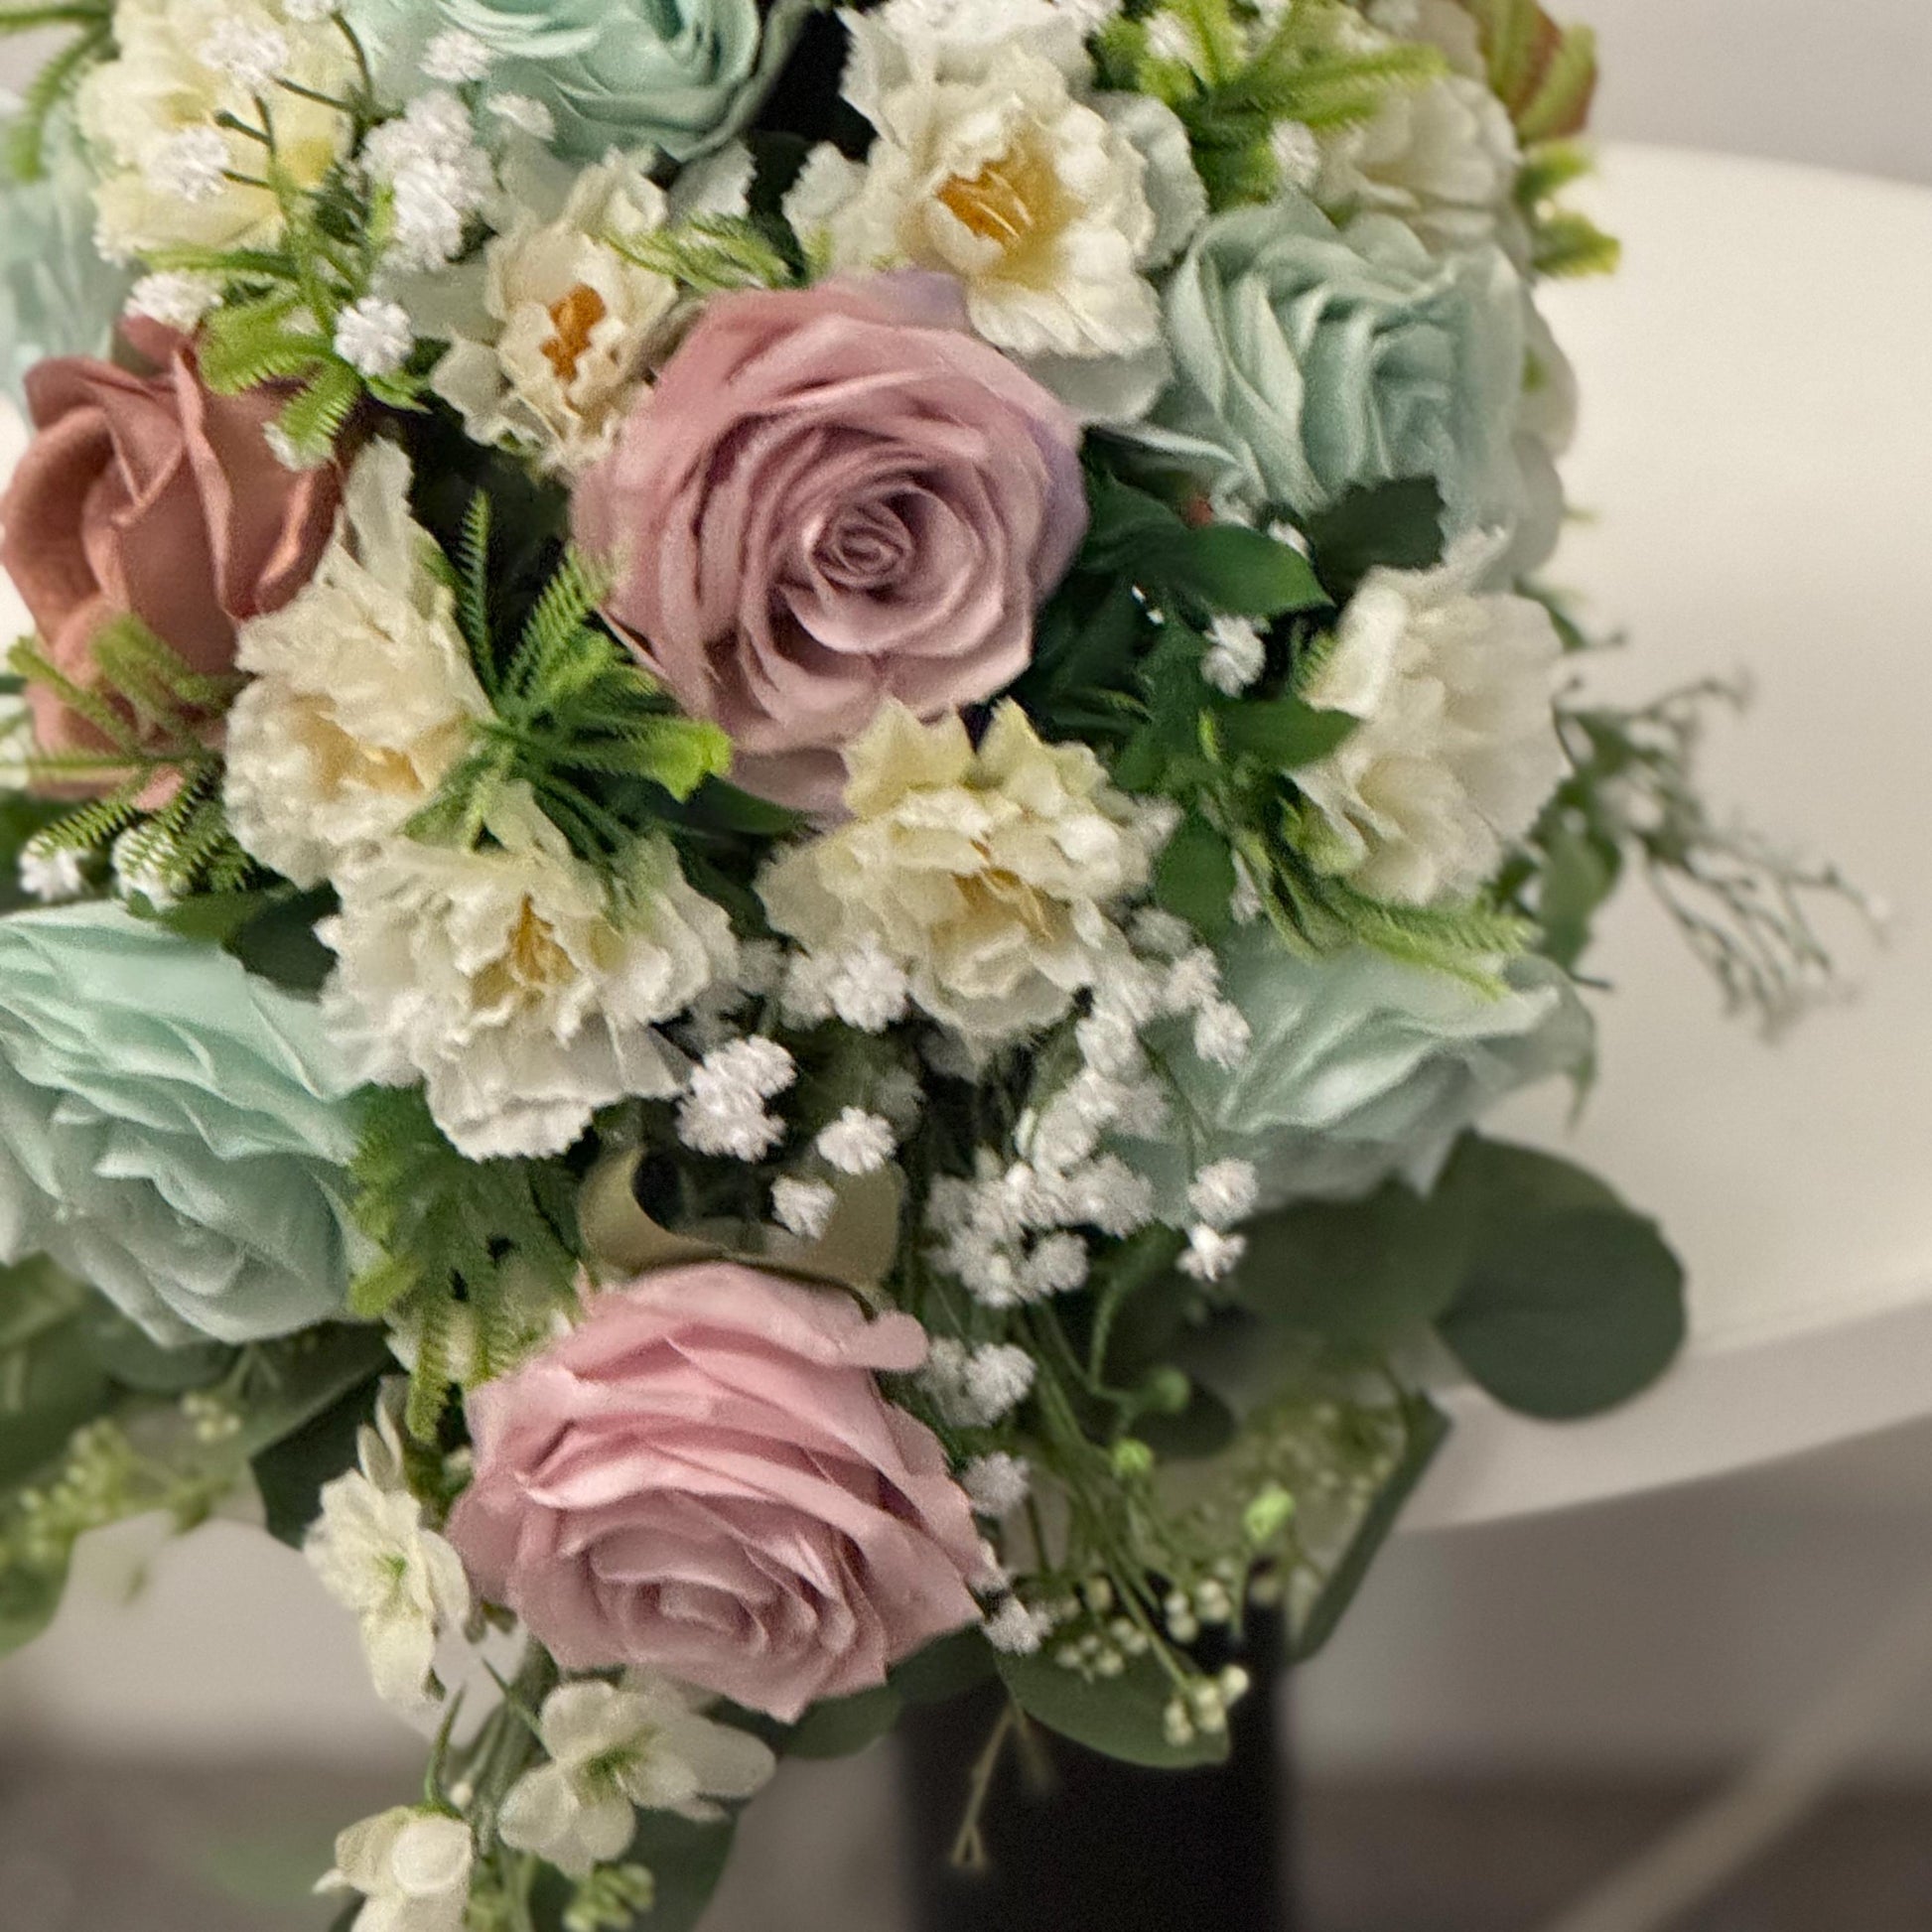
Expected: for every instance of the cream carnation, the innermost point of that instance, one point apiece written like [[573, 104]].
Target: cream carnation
[[163, 88], [986, 874], [504, 979], [1441, 157], [565, 324], [992, 165], [364, 695], [1457, 751]]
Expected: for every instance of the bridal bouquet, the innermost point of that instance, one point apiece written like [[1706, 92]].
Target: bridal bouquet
[[783, 781]]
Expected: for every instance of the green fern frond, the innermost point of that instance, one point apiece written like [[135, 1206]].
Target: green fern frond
[[57, 79], [710, 255], [320, 413], [473, 587], [1568, 244]]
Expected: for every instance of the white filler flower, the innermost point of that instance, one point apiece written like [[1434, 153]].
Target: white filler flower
[[615, 1750], [363, 694], [1456, 752], [404, 1584], [504, 981], [412, 1866], [152, 117]]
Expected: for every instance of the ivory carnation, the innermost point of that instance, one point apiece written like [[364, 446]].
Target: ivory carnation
[[986, 873], [994, 163], [1457, 751], [364, 695], [553, 360], [831, 497], [504, 980], [706, 1480]]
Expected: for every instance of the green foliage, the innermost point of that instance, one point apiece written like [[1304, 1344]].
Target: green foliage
[[270, 930], [476, 1254], [1122, 1718], [1748, 908], [1569, 244], [1556, 1298], [1244, 80], [596, 742], [92, 25], [151, 715], [710, 255], [290, 1474]]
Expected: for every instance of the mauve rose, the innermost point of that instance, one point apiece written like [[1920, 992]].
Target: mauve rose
[[705, 1479], [151, 496], [830, 497]]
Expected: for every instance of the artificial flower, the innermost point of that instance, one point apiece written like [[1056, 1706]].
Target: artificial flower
[[1314, 360], [682, 76], [148, 495], [705, 1479], [1362, 1066], [16, 621], [401, 1580], [986, 873], [617, 1749], [1441, 157], [509, 981], [565, 324], [830, 497], [362, 695], [1456, 749], [413, 1869], [173, 175], [994, 163], [174, 1131]]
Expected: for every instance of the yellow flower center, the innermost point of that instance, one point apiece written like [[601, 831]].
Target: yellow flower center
[[572, 321], [530, 965], [1014, 202]]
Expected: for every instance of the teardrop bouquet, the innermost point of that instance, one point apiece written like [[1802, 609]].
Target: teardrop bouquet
[[782, 784]]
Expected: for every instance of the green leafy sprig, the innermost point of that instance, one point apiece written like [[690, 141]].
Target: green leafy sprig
[[92, 26], [597, 743]]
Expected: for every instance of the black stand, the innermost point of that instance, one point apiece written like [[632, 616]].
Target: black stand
[[1104, 1845]]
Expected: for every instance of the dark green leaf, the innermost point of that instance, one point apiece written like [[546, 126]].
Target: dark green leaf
[[129, 1355], [49, 1387], [290, 1474], [1283, 734], [1396, 525], [1194, 876], [687, 1860], [945, 1670], [844, 1727], [1122, 1718], [1568, 1313], [1244, 573]]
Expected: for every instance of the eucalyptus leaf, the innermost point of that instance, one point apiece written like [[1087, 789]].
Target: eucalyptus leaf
[[946, 1669], [1570, 1313], [1123, 1718], [290, 1474], [687, 1860], [845, 1727]]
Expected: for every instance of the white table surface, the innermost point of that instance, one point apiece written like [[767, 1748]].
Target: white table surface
[[1757, 469]]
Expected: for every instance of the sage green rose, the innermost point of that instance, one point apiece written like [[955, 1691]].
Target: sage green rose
[[683, 75], [1361, 1067], [1311, 360], [58, 297], [173, 1130]]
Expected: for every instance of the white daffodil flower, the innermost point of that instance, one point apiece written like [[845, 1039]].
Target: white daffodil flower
[[615, 1750]]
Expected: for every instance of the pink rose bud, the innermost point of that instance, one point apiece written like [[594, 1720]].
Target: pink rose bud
[[705, 1479], [151, 496], [833, 497]]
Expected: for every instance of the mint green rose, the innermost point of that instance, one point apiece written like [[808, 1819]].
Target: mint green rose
[[58, 297], [683, 75], [171, 1130], [1361, 1067], [1311, 360]]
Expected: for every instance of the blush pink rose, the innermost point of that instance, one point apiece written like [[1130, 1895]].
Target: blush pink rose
[[705, 1479], [151, 496], [833, 497]]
